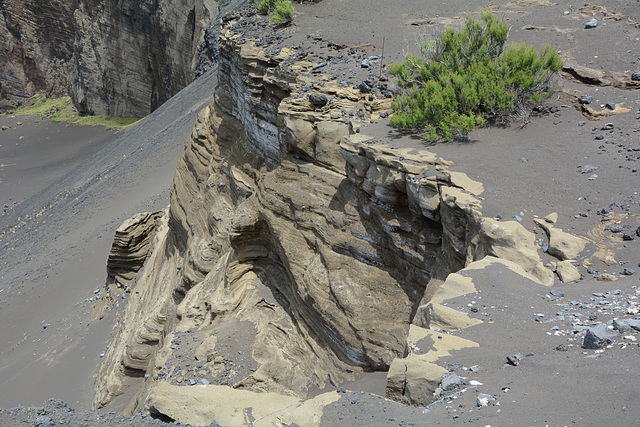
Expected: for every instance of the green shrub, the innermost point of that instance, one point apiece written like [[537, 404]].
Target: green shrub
[[464, 77], [264, 6], [284, 12]]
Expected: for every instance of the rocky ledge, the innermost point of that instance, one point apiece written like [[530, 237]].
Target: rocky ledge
[[298, 253]]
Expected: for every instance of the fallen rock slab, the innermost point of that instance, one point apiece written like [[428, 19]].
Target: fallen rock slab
[[598, 337]]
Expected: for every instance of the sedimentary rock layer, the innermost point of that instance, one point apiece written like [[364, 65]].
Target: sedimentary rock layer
[[120, 58], [296, 252]]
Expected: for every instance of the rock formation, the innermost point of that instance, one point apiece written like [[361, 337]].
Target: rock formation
[[120, 58], [297, 252]]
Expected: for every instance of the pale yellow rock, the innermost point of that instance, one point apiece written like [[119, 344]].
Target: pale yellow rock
[[328, 137], [455, 285], [606, 277], [205, 404], [511, 241], [414, 379], [552, 218], [567, 272], [462, 180], [437, 316], [562, 245]]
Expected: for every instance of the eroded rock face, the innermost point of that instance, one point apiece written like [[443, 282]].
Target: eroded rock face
[[296, 253], [121, 58]]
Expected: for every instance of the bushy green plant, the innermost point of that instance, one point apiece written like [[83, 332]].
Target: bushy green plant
[[283, 12], [465, 76], [264, 6]]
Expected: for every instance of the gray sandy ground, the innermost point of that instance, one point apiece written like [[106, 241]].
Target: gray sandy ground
[[49, 269]]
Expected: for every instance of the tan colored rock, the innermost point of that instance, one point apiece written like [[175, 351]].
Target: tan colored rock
[[562, 245], [206, 404], [413, 380], [552, 218], [206, 352], [511, 241], [606, 277], [437, 316], [131, 244], [567, 272], [328, 137]]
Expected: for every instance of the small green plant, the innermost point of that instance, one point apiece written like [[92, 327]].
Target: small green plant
[[61, 110], [283, 10], [264, 6], [464, 77], [283, 13]]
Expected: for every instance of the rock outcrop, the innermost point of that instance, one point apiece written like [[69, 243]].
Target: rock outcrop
[[121, 58], [296, 252]]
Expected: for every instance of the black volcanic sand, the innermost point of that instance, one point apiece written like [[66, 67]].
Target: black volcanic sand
[[55, 245], [50, 269]]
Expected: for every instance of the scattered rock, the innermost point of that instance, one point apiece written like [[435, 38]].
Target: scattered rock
[[318, 100], [5, 127], [625, 325], [635, 76], [450, 381], [587, 169], [567, 272], [552, 218], [592, 23], [598, 336], [627, 237], [485, 399], [585, 99], [514, 359], [556, 293], [628, 272], [606, 277], [610, 105]]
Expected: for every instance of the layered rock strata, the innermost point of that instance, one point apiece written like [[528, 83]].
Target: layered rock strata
[[297, 253], [121, 58]]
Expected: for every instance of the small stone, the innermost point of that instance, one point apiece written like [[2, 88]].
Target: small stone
[[203, 382], [517, 218], [318, 100], [556, 293], [616, 229], [484, 400], [582, 123], [606, 277], [598, 336], [585, 99], [627, 237], [628, 272], [474, 368], [514, 359], [588, 169], [366, 86], [610, 105], [592, 23], [450, 381], [638, 231], [593, 177], [635, 76], [5, 127]]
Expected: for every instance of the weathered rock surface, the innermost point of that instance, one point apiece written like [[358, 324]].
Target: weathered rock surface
[[131, 245], [121, 58], [313, 243], [562, 245]]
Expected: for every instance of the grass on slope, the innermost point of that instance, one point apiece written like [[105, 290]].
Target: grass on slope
[[61, 110]]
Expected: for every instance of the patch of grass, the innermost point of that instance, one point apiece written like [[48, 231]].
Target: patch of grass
[[466, 76], [61, 110]]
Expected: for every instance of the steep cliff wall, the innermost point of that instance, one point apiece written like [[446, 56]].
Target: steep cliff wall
[[118, 58], [295, 252]]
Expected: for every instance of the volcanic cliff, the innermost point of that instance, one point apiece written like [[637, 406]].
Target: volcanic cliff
[[296, 252]]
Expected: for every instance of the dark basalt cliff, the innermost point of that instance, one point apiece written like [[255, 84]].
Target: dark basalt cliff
[[120, 58]]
